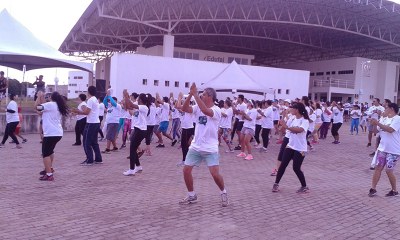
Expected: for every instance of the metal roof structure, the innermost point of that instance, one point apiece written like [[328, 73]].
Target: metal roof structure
[[275, 31]]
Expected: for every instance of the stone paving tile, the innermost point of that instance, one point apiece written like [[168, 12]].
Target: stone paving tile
[[98, 202]]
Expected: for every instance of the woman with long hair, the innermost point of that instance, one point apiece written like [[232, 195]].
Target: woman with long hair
[[12, 119], [140, 130], [318, 122], [52, 113], [296, 147], [249, 127], [225, 124], [151, 122], [337, 110]]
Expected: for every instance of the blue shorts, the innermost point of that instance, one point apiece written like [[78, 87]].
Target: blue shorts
[[163, 127], [194, 158]]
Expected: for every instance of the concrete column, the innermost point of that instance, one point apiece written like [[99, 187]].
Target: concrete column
[[168, 46], [329, 95]]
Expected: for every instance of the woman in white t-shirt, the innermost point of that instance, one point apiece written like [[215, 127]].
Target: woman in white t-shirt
[[52, 113], [326, 120], [113, 122], [338, 111], [176, 123], [151, 122], [267, 123], [258, 107], [355, 115], [140, 130], [126, 131], [225, 124], [249, 127], [318, 122], [296, 147], [389, 148], [12, 119]]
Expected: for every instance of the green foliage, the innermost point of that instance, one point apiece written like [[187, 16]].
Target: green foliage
[[17, 88]]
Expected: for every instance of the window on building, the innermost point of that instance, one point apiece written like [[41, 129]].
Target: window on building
[[176, 84], [69, 91], [75, 77], [328, 73], [196, 56], [333, 72], [76, 91], [187, 84], [230, 59], [279, 91], [189, 55], [312, 74], [80, 77], [343, 72], [182, 55], [320, 74], [176, 54], [238, 60], [144, 81], [167, 83], [87, 85], [287, 91], [156, 82], [245, 61]]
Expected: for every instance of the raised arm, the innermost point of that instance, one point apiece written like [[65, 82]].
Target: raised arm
[[206, 110], [128, 103]]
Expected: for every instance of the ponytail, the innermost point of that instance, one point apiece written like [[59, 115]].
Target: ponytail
[[62, 106]]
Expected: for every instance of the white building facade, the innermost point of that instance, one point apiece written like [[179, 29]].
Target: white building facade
[[152, 74], [352, 79], [78, 82]]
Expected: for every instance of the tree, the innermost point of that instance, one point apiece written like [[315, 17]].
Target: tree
[[14, 87]]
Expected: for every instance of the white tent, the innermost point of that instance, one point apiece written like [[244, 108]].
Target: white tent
[[19, 47], [234, 79]]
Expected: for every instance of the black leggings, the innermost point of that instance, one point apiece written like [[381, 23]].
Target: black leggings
[[10, 129], [100, 130], [136, 139], [265, 136], [186, 135], [149, 134], [335, 129], [283, 147], [235, 126], [257, 133], [79, 127], [289, 154]]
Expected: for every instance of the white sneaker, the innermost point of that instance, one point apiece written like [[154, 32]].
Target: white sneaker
[[138, 169], [229, 151], [129, 172]]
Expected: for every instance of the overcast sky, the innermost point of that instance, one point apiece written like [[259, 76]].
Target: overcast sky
[[48, 20]]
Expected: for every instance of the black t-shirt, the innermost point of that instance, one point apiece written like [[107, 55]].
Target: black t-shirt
[[3, 84], [40, 85]]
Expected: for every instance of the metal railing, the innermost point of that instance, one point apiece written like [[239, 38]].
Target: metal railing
[[333, 82]]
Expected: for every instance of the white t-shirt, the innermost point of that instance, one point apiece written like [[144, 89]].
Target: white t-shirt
[[252, 113], [93, 105], [113, 113], [327, 117], [226, 122], [337, 115], [187, 120], [289, 121], [164, 112], [318, 112], [140, 116], [390, 142], [373, 114], [276, 115], [354, 113], [206, 130], [158, 115], [101, 109], [51, 119], [175, 113], [80, 117], [298, 141], [12, 117], [151, 118], [267, 121], [242, 108], [259, 118], [313, 117]]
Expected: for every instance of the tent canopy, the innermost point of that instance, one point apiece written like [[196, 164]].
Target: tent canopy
[[19, 47], [234, 79]]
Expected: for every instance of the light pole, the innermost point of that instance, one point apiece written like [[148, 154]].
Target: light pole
[[365, 69]]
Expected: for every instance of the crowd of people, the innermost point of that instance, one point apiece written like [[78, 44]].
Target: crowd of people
[[201, 123]]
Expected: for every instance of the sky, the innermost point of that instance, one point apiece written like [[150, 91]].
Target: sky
[[50, 21]]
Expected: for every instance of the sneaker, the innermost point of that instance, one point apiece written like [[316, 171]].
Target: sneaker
[[372, 168], [122, 146], [76, 144], [238, 148], [303, 190], [249, 157], [86, 163], [242, 154], [11, 141], [229, 151], [138, 169], [174, 142], [369, 145], [259, 146], [44, 172], [160, 146], [392, 193], [24, 140], [372, 154], [107, 151], [188, 200], [264, 149], [114, 149], [129, 172], [274, 172], [46, 178], [279, 142], [372, 192], [18, 146], [224, 199], [180, 164], [275, 187], [98, 162]]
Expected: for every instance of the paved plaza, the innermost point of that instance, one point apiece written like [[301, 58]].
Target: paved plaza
[[98, 202]]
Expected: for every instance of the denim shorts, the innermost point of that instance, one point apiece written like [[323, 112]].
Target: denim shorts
[[163, 127], [194, 158]]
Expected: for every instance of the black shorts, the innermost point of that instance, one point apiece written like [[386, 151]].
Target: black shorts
[[282, 149], [240, 126], [48, 145], [276, 122], [346, 112]]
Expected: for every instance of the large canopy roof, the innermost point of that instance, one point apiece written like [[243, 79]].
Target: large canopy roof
[[275, 31], [19, 47]]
